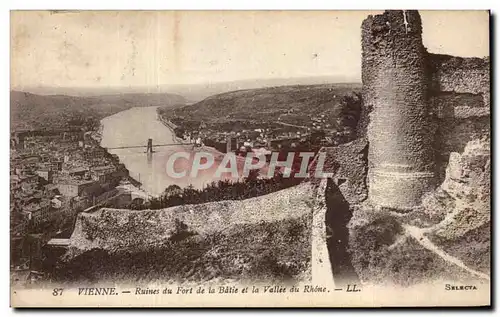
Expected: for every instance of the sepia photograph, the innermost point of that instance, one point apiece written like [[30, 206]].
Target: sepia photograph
[[250, 158]]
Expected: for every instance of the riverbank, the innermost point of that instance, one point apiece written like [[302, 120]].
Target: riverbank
[[171, 126]]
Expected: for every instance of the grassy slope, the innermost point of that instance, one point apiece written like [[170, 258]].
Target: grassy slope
[[268, 251]]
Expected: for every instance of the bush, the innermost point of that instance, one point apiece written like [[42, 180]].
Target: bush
[[217, 191]]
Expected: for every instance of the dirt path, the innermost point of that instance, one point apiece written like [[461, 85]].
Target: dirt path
[[418, 234]]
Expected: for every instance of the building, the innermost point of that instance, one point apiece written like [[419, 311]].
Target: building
[[28, 182], [56, 202], [103, 173], [46, 174], [77, 171], [54, 165], [38, 212], [19, 224], [73, 188], [93, 154], [32, 160], [22, 170]]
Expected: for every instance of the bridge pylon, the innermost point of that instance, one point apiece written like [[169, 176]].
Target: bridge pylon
[[149, 148]]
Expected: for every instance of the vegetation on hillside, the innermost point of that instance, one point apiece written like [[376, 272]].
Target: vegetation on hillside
[[250, 187], [30, 111], [268, 107]]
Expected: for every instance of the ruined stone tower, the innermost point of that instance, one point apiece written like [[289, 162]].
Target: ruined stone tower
[[401, 158]]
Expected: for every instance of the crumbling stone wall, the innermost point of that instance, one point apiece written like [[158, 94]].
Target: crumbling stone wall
[[460, 75], [346, 188], [348, 165], [427, 120], [460, 103], [253, 240]]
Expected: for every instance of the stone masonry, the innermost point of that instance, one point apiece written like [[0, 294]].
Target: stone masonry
[[395, 87], [427, 120], [408, 90]]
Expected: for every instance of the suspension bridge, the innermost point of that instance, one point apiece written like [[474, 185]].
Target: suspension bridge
[[149, 146]]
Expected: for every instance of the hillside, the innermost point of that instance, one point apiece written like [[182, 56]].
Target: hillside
[[199, 92], [31, 111], [289, 104]]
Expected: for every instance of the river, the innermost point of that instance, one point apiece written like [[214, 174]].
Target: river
[[134, 127]]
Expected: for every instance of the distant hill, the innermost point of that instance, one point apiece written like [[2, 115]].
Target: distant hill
[[31, 111], [201, 91], [289, 104], [192, 92]]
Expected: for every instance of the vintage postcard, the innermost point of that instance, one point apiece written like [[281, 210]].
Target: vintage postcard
[[250, 158]]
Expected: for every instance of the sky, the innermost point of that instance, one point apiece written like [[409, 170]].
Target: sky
[[151, 48]]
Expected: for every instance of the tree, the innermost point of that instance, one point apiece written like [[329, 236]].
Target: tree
[[253, 175], [172, 190], [349, 115]]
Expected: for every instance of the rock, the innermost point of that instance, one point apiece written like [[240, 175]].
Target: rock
[[465, 230], [446, 238], [467, 181]]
